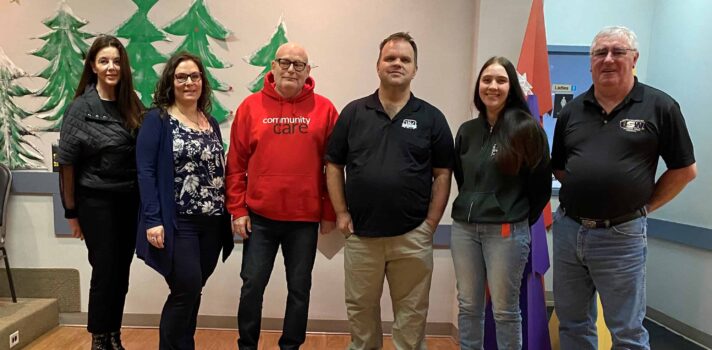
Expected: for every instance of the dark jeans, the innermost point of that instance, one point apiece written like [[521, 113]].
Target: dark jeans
[[298, 241], [108, 222], [196, 249]]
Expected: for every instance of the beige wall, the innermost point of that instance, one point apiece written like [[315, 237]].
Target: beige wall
[[342, 38]]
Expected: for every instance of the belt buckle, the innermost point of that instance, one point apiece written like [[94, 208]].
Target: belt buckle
[[588, 223]]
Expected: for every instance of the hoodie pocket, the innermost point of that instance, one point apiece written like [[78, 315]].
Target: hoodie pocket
[[477, 206]]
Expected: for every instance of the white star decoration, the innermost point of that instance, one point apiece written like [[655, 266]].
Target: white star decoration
[[526, 87]]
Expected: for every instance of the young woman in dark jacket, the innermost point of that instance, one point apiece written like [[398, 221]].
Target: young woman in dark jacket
[[504, 180], [98, 181]]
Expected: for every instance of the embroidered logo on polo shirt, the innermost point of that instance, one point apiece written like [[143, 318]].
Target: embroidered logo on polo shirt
[[632, 125], [409, 124]]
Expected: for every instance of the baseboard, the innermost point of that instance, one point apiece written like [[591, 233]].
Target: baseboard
[[438, 329], [689, 332]]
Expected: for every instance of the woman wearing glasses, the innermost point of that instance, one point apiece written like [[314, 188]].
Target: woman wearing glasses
[[183, 223], [504, 179], [98, 181]]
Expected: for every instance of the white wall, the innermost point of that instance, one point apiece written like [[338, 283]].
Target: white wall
[[674, 57], [680, 278]]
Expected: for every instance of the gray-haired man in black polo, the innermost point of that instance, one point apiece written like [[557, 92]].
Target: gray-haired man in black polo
[[606, 148], [397, 151]]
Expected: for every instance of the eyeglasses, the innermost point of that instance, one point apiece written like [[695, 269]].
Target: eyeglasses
[[182, 78], [285, 63], [616, 52]]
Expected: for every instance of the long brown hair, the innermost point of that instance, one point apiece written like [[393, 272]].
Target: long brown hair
[[130, 107], [521, 141], [164, 96]]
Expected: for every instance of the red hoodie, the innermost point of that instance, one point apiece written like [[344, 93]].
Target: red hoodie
[[275, 165]]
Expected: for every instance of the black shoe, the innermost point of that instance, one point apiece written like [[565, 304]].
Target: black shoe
[[115, 341], [100, 342]]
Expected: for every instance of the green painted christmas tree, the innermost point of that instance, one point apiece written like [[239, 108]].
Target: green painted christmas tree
[[15, 151], [65, 50], [141, 32], [197, 25], [263, 56]]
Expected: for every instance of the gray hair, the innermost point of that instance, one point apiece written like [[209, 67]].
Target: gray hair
[[618, 32]]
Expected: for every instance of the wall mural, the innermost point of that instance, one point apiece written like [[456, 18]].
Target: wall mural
[[141, 32], [65, 49], [15, 150], [263, 56], [65, 46], [197, 25]]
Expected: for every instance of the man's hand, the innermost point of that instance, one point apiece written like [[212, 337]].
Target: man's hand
[[325, 227], [242, 226], [76, 229], [432, 224], [344, 223], [155, 236]]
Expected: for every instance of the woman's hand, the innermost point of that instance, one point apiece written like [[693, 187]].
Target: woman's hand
[[76, 229], [155, 236]]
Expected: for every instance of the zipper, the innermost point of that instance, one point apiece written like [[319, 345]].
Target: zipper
[[469, 212]]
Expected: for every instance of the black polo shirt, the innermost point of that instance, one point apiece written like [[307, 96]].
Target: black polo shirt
[[610, 159], [389, 163]]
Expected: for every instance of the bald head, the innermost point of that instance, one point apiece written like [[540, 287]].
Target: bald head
[[290, 69], [293, 49]]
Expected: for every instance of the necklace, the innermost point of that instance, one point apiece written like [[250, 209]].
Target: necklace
[[195, 121]]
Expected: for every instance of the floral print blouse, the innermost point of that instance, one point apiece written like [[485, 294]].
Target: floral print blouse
[[199, 171]]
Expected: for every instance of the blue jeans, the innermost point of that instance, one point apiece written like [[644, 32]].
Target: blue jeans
[[482, 255], [298, 241], [610, 261]]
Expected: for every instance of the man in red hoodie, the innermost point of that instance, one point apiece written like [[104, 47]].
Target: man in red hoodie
[[278, 141]]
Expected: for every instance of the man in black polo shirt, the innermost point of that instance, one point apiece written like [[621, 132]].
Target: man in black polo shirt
[[398, 155], [606, 148]]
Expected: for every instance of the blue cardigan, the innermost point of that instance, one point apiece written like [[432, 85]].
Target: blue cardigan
[[154, 164]]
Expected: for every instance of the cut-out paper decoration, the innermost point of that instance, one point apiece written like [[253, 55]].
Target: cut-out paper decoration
[[263, 56], [15, 150], [65, 50], [141, 32], [196, 24]]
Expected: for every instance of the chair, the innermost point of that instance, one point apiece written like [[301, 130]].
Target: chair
[[5, 183]]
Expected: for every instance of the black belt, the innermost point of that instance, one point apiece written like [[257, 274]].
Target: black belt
[[606, 223]]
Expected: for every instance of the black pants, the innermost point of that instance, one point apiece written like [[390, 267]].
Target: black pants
[[298, 241], [108, 222], [196, 249]]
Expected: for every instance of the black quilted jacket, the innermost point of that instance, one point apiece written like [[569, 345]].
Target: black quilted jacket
[[98, 145]]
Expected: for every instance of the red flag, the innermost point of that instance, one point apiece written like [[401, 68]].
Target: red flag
[[534, 64], [534, 57]]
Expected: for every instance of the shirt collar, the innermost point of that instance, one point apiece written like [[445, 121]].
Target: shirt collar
[[373, 102], [635, 95]]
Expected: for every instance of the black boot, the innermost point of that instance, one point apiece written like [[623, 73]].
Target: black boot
[[115, 341], [100, 342]]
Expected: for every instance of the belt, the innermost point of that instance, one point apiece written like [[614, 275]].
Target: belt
[[606, 223]]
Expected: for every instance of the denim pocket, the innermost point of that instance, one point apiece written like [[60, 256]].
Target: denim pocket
[[633, 228]]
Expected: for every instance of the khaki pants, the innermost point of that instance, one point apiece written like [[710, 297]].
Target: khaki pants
[[407, 262]]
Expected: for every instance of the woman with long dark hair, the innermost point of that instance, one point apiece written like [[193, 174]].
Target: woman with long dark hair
[[504, 179], [183, 222], [98, 181]]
